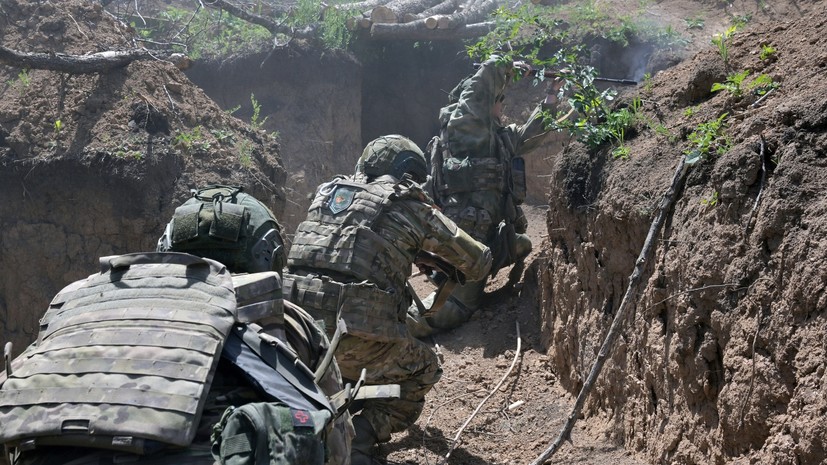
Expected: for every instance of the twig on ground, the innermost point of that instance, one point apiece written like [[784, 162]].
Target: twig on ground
[[77, 25], [456, 441], [762, 98]]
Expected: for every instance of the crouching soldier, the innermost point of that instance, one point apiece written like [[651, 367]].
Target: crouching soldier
[[351, 258]]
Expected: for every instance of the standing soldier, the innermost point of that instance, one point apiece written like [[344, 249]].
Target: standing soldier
[[478, 178], [352, 257]]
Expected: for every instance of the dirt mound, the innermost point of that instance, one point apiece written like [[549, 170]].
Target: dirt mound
[[93, 164]]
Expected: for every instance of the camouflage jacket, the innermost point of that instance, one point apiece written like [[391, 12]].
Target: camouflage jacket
[[470, 129], [365, 236]]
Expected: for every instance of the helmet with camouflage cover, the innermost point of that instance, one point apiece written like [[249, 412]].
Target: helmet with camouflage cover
[[227, 225], [394, 155]]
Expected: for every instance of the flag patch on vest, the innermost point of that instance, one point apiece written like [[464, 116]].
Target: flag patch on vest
[[341, 198]]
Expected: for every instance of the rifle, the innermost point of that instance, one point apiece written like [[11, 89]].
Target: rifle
[[551, 74]]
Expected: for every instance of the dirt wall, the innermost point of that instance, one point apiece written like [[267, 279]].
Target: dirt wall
[[722, 356]]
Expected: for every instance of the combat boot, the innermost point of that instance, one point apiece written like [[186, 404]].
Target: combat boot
[[362, 445]]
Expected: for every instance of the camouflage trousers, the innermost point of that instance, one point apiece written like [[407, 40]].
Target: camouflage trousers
[[405, 361]]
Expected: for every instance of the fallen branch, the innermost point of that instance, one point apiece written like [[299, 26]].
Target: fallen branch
[[617, 323], [273, 27], [761, 187], [474, 413], [77, 64]]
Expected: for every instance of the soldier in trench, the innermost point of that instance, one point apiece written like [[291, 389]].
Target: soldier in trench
[[478, 179], [351, 258]]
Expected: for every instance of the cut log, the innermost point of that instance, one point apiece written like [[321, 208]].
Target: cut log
[[442, 8], [358, 6], [77, 64], [383, 15], [417, 30], [475, 12], [431, 22], [406, 8]]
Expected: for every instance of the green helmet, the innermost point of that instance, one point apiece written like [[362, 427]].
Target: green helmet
[[227, 225], [394, 155]]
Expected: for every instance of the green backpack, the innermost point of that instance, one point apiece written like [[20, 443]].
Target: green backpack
[[270, 433]]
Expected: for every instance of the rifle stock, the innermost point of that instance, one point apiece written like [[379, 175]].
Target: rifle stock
[[551, 74]]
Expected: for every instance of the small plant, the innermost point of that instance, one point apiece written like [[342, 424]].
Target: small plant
[[762, 84], [710, 201], [223, 136], [689, 111], [647, 82], [708, 138], [694, 23], [23, 77], [767, 52], [58, 127], [255, 123], [191, 141], [733, 84], [720, 41], [245, 153], [739, 21]]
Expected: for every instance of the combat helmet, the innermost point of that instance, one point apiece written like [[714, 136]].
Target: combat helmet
[[227, 225], [394, 155]]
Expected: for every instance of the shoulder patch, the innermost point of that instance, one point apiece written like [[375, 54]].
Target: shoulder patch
[[341, 198]]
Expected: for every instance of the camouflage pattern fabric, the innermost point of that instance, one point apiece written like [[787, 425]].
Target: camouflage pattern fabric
[[368, 233], [475, 187], [290, 323]]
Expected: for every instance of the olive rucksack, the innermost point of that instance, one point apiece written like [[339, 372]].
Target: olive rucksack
[[227, 225], [270, 433]]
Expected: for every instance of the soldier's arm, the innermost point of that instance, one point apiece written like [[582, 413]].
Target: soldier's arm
[[446, 240], [470, 121]]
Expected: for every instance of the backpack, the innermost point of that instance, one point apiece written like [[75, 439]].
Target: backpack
[[125, 358], [270, 433], [229, 226]]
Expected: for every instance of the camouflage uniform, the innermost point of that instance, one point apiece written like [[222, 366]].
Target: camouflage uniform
[[219, 222], [479, 181], [352, 256]]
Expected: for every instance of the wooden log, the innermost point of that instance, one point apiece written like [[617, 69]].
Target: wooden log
[[383, 15], [77, 64], [417, 30], [442, 8], [431, 22], [475, 12], [406, 8]]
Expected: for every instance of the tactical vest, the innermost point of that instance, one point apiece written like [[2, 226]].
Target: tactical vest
[[338, 262], [124, 358], [463, 173], [339, 234]]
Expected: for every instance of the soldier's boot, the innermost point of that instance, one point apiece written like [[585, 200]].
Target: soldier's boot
[[522, 249], [361, 448], [515, 275]]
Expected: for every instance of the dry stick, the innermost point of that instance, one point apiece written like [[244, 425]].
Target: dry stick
[[761, 188], [620, 316], [752, 377], [508, 372]]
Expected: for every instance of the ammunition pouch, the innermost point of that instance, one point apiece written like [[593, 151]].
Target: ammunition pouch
[[470, 175], [369, 312]]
